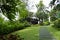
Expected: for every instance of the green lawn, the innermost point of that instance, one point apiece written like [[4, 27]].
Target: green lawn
[[32, 33], [55, 33]]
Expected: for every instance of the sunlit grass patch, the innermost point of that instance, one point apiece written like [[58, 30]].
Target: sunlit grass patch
[[55, 33], [30, 33]]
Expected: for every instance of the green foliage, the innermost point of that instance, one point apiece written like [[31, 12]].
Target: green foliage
[[46, 23], [53, 15], [42, 15], [41, 5], [53, 18], [55, 11], [27, 24], [1, 19], [3, 28], [42, 24], [58, 14], [57, 7], [23, 12], [52, 2], [10, 7], [57, 24], [8, 27]]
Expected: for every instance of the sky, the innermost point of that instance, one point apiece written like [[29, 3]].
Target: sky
[[32, 5]]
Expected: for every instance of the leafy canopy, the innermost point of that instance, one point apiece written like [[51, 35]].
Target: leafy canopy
[[11, 7]]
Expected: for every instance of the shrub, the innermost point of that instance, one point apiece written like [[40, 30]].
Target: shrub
[[46, 23], [57, 24], [41, 24], [27, 24], [5, 28], [8, 27]]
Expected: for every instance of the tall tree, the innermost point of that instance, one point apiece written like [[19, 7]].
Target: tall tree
[[41, 11], [10, 7], [56, 9]]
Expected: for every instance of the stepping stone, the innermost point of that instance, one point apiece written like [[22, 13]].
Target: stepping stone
[[45, 34]]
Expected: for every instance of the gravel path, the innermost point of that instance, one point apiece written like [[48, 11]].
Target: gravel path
[[44, 34]]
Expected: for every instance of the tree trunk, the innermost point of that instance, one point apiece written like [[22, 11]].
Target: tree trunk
[[49, 19]]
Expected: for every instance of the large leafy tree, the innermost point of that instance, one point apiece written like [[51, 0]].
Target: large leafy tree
[[10, 7], [53, 15], [56, 7], [55, 12], [41, 12]]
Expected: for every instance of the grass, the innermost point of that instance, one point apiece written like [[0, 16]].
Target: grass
[[54, 32], [30, 33]]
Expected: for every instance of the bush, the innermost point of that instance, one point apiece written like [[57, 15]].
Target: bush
[[46, 23], [27, 24], [8, 27], [5, 28], [57, 24], [42, 24]]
